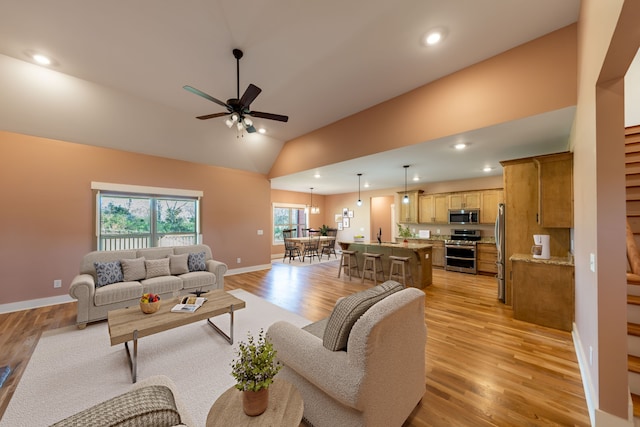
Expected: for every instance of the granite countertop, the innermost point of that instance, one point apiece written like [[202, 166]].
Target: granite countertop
[[554, 260], [490, 239], [401, 245]]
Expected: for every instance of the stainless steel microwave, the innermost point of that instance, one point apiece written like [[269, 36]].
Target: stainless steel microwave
[[464, 216]]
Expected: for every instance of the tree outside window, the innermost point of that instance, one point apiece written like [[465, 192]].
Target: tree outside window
[[285, 218]]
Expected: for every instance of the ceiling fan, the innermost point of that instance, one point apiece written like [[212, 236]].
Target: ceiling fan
[[238, 108]]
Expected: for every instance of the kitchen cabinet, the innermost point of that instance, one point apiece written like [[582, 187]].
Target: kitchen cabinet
[[433, 209], [409, 211], [487, 257], [543, 291], [489, 205], [469, 200], [437, 253], [521, 183], [555, 190]]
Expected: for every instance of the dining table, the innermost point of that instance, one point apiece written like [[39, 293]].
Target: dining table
[[300, 241]]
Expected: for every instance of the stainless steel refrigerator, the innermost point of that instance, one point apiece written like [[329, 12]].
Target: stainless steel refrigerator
[[500, 263]]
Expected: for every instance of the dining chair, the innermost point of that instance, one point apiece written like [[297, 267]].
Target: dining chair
[[291, 249], [329, 246], [310, 248]]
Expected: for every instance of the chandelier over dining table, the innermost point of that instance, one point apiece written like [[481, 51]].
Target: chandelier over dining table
[[313, 209]]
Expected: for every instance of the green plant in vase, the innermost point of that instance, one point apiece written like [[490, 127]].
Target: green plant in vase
[[404, 231], [254, 368]]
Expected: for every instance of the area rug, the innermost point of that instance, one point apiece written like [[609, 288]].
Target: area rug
[[71, 369], [298, 263]]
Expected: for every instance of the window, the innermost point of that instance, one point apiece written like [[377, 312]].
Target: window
[[134, 221], [288, 217]]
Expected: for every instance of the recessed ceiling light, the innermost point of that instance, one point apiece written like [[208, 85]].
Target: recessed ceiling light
[[41, 59], [460, 146], [487, 169], [262, 130], [366, 185], [317, 175], [433, 37], [416, 178]]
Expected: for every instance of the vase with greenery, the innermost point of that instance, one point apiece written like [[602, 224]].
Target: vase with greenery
[[324, 230], [254, 369], [404, 232]]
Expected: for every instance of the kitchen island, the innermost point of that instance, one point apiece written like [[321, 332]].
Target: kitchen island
[[419, 254]]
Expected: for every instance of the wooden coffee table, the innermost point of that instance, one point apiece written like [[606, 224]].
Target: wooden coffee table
[[131, 324], [285, 408]]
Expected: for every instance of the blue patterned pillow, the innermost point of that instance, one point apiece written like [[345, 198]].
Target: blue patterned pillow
[[197, 261], [108, 273]]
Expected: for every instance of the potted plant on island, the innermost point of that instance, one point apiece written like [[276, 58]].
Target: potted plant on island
[[404, 232], [254, 369]]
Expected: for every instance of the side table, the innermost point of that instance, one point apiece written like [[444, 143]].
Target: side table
[[285, 408]]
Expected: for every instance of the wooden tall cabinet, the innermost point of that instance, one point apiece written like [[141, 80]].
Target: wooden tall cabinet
[[522, 187], [409, 211]]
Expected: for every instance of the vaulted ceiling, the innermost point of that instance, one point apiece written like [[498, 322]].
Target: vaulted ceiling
[[119, 69]]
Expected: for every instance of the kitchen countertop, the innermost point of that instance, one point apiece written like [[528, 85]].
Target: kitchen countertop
[[554, 260], [409, 245], [441, 237]]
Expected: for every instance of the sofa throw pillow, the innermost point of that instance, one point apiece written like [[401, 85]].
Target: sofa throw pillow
[[348, 310], [197, 261], [157, 267], [153, 405], [133, 269], [179, 264], [108, 273]]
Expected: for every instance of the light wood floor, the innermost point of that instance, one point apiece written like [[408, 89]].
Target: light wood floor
[[483, 367]]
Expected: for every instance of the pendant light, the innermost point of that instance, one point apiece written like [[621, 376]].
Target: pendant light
[[359, 202], [405, 199], [313, 209]]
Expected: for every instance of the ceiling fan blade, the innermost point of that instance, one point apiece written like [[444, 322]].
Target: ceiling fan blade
[[205, 96], [251, 129], [269, 116], [249, 95], [211, 116]]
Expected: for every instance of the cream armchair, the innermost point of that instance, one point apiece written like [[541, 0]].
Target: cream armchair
[[376, 381]]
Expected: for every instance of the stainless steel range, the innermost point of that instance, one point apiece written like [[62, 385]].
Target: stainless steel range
[[460, 251]]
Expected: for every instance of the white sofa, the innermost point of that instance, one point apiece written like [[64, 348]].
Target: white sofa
[[378, 379], [161, 270]]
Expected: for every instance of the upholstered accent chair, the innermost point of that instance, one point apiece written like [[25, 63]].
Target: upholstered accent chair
[[377, 375]]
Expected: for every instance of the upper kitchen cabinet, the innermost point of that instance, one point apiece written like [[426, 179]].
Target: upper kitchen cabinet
[[470, 200], [409, 211], [555, 190], [433, 209], [489, 205]]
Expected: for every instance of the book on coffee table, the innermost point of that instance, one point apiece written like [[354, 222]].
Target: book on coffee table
[[188, 304]]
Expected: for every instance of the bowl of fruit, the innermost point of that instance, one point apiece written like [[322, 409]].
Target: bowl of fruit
[[149, 303]]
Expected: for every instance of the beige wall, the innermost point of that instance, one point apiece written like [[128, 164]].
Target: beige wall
[[533, 78], [608, 41], [47, 220]]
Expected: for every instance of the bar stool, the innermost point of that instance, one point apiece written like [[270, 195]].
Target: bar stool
[[397, 269], [371, 264], [345, 263]]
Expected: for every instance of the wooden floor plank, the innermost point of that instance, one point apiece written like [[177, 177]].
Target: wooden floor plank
[[483, 368]]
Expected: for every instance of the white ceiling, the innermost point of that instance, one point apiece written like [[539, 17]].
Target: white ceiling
[[120, 67]]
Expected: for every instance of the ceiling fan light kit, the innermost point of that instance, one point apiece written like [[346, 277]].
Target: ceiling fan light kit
[[238, 108]]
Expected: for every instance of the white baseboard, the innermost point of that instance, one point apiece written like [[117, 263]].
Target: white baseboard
[[249, 269], [596, 416], [34, 303]]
